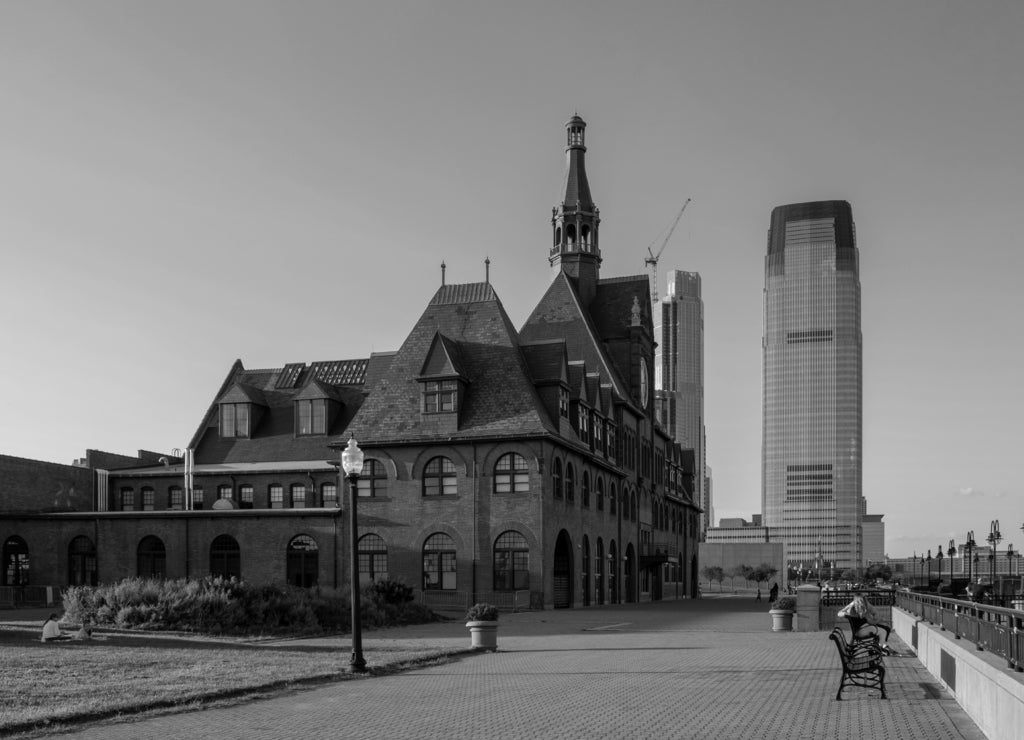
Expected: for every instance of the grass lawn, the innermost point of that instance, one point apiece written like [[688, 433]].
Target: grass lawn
[[120, 673]]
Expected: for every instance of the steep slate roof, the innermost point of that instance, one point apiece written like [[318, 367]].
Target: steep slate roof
[[560, 315], [500, 399], [275, 391], [546, 360]]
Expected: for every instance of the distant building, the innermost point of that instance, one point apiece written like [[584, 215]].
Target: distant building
[[680, 375], [812, 407], [873, 529]]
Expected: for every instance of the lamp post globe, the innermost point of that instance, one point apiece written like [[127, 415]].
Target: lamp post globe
[[352, 463]]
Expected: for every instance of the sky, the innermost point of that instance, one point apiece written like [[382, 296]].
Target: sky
[[183, 184]]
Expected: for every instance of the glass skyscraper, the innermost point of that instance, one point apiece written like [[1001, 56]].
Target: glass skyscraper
[[811, 456]]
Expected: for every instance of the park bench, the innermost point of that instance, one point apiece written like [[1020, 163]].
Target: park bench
[[862, 663]]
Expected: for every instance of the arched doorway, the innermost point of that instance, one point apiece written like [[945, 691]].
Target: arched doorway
[[302, 561], [694, 585], [561, 576], [613, 570], [585, 574], [628, 566], [599, 588], [225, 557], [151, 558], [15, 568], [82, 562]]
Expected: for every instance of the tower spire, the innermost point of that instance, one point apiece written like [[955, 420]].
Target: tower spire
[[574, 222]]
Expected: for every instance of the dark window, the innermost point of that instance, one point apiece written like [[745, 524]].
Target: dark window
[[585, 491], [197, 498], [234, 420], [329, 495], [570, 482], [439, 563], [127, 499], [556, 478], [82, 562], [511, 562], [151, 558], [612, 499], [583, 424], [439, 478], [311, 417], [15, 562], [373, 558], [511, 474], [563, 403], [148, 499], [439, 396], [600, 494], [225, 557], [276, 494], [373, 481], [176, 498], [303, 563], [246, 494]]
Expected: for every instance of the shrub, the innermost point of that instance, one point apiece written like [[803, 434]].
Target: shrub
[[482, 613], [787, 603]]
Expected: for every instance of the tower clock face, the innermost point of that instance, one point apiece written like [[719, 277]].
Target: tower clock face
[[643, 382]]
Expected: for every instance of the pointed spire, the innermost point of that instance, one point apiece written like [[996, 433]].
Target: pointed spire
[[487, 270], [443, 266]]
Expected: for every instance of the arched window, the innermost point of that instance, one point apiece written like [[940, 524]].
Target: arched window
[[373, 481], [298, 491], [148, 499], [585, 491], [329, 496], [511, 562], [373, 558], [599, 566], [151, 558], [82, 562], [439, 478], [15, 559], [613, 569], [303, 566], [225, 557], [556, 478], [613, 498], [600, 493], [632, 506], [439, 562], [511, 474], [570, 482]]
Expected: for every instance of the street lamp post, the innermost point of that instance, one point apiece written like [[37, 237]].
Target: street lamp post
[[969, 546], [939, 567], [994, 538], [352, 464], [928, 572]]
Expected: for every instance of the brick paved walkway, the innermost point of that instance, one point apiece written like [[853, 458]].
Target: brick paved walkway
[[694, 669]]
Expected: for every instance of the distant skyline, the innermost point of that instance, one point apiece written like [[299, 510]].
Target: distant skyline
[[188, 183]]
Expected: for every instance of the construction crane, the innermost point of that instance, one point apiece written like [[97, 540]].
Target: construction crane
[[652, 258]]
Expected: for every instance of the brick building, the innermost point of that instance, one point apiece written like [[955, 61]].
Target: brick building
[[513, 466]]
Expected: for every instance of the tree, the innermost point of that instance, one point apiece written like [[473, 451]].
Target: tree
[[740, 571], [764, 572], [849, 575], [719, 576], [713, 573], [878, 570]]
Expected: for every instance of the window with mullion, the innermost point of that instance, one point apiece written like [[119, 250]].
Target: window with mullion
[[234, 420], [127, 499], [511, 474], [511, 562], [439, 478], [311, 417], [439, 563], [245, 496], [148, 499], [439, 396], [373, 481]]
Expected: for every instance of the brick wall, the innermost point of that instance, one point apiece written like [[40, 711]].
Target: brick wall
[[34, 485]]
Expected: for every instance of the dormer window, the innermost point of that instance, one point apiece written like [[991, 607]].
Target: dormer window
[[234, 420], [311, 417], [563, 403], [584, 424], [440, 396]]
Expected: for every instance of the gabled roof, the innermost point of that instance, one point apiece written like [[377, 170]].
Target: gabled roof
[[560, 315], [547, 361], [242, 393], [501, 399], [442, 360], [315, 390], [593, 381], [612, 307], [578, 381]]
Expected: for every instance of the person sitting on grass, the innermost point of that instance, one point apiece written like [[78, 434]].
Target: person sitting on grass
[[865, 621], [51, 630]]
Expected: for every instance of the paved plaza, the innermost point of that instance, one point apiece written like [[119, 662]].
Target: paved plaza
[[693, 669]]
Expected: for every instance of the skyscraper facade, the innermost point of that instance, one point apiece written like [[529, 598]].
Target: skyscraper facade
[[811, 459], [679, 368]]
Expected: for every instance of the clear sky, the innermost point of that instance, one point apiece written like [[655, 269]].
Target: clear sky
[[187, 183]]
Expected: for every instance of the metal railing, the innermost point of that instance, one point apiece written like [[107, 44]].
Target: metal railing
[[832, 601], [994, 628], [27, 596], [441, 600]]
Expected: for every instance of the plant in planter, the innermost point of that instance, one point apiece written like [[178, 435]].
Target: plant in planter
[[482, 620], [782, 613]]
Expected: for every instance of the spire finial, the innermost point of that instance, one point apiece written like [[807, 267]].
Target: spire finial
[[487, 270], [442, 272]]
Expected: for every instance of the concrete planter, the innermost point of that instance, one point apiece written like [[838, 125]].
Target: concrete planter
[[484, 636], [782, 620]]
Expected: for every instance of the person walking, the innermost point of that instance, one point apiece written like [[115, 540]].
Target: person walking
[[758, 593], [773, 593]]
